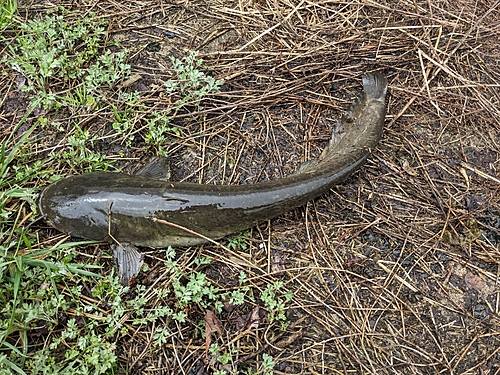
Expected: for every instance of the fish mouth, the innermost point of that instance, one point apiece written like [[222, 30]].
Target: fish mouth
[[39, 203], [43, 214]]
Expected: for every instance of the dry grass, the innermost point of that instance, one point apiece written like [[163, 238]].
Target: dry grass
[[394, 271]]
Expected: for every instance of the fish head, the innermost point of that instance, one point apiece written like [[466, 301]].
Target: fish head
[[65, 206]]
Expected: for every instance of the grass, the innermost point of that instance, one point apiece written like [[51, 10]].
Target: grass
[[30, 274], [8, 9], [29, 277]]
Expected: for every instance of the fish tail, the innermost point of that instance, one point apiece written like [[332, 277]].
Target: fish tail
[[375, 86]]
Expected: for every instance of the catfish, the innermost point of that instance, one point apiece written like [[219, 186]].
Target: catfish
[[148, 210]]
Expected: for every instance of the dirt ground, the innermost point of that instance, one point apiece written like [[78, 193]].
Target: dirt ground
[[394, 271]]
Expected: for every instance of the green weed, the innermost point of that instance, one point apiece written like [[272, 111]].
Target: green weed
[[238, 242], [79, 156], [15, 174], [69, 65], [275, 302], [125, 116], [190, 83], [52, 52], [158, 127], [190, 287], [267, 364], [225, 357]]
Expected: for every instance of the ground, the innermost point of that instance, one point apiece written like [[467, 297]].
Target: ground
[[395, 270]]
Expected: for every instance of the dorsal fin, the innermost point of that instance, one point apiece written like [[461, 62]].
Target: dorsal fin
[[157, 169]]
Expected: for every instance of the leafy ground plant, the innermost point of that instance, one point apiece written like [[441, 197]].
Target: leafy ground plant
[[35, 297], [275, 301], [191, 83], [72, 65], [51, 52], [79, 155]]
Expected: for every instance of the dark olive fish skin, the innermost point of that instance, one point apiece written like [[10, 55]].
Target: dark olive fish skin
[[119, 207]]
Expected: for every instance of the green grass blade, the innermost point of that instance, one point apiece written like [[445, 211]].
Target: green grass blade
[[12, 365], [6, 159], [17, 282]]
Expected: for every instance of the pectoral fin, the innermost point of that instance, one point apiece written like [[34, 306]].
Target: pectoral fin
[[158, 169], [128, 261]]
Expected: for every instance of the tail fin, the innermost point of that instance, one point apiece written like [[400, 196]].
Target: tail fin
[[375, 85]]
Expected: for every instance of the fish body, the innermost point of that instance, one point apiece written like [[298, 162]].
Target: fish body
[[138, 209], [106, 206]]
